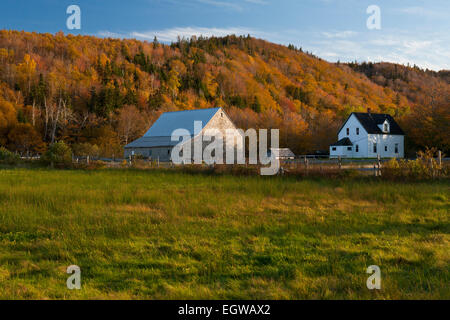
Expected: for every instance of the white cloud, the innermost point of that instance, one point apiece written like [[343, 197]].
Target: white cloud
[[108, 34], [169, 35], [422, 12], [172, 34], [340, 34], [429, 50]]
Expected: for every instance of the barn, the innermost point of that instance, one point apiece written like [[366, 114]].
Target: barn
[[157, 141]]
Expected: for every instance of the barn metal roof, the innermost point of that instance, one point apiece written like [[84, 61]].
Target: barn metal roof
[[159, 135], [170, 121], [152, 142]]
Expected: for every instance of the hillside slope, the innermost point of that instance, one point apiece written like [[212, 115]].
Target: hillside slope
[[99, 94]]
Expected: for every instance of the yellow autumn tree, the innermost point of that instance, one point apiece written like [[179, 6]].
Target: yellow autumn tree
[[26, 72]]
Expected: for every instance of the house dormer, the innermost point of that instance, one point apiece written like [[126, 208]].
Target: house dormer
[[385, 126]]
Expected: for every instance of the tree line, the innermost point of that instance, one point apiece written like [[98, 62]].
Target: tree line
[[99, 94]]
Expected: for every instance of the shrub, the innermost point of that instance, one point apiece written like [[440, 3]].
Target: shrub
[[59, 155], [86, 149], [8, 157], [92, 165], [424, 167]]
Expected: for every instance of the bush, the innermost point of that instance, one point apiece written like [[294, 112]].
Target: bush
[[424, 167], [86, 149], [93, 165], [8, 157], [58, 155]]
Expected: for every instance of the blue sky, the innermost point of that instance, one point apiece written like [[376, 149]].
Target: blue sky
[[412, 31]]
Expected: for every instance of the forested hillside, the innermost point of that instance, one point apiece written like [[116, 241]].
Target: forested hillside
[[99, 94]]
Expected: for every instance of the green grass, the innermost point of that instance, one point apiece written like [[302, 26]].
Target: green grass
[[166, 235]]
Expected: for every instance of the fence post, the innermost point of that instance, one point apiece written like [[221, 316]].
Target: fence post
[[87, 159], [340, 162], [379, 164], [440, 159]]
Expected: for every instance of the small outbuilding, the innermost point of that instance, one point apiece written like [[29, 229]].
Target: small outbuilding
[[282, 153]]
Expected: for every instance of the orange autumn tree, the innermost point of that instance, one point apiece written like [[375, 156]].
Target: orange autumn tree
[[7, 119], [24, 139]]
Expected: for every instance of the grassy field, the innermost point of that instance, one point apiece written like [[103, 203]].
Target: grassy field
[[166, 235]]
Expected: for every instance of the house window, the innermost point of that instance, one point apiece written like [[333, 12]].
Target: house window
[[168, 151], [385, 148], [386, 127], [374, 148], [149, 153], [357, 131], [221, 114], [396, 148], [348, 131], [349, 148], [334, 148], [357, 148]]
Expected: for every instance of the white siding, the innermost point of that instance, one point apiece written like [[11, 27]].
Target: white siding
[[357, 139], [342, 151], [383, 141], [366, 141]]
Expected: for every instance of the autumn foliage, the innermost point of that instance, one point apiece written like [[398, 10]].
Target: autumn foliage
[[99, 94]]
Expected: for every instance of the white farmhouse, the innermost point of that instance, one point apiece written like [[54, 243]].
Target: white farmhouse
[[369, 135], [157, 142]]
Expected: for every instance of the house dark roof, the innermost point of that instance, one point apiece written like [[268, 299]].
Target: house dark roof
[[370, 122], [342, 142]]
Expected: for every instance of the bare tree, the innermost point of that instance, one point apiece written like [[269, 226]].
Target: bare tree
[[130, 123]]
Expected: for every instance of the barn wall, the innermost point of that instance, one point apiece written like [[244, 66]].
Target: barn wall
[[222, 122]]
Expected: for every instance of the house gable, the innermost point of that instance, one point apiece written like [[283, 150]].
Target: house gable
[[356, 129], [220, 121]]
